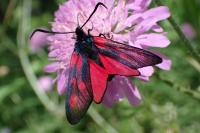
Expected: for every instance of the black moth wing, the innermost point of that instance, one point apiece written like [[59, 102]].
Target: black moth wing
[[79, 90], [130, 56]]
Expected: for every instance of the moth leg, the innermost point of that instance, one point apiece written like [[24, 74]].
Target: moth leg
[[73, 37], [107, 36], [110, 36], [89, 30], [102, 35]]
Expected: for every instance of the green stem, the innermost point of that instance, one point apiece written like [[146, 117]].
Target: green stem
[[188, 45], [194, 94], [194, 63], [101, 121], [9, 10]]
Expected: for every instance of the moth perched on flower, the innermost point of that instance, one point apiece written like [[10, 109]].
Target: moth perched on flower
[[99, 53]]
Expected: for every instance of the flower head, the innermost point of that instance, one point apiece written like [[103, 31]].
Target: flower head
[[129, 22], [189, 31]]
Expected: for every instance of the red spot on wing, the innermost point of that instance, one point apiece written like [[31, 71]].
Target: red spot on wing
[[114, 67], [81, 86], [99, 81], [73, 59], [73, 101], [79, 64]]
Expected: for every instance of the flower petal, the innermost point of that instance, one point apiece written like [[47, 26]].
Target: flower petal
[[153, 40], [166, 63], [143, 78], [62, 83], [130, 91], [146, 71], [144, 26], [157, 28], [158, 13], [118, 88], [53, 67], [45, 82], [138, 5], [188, 30], [114, 92], [151, 17]]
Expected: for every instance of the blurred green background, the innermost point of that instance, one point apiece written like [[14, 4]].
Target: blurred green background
[[170, 100]]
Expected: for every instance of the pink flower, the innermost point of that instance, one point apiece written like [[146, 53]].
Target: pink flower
[[128, 22], [120, 87], [45, 82], [189, 31]]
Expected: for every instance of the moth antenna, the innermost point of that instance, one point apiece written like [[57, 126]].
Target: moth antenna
[[96, 7], [46, 31]]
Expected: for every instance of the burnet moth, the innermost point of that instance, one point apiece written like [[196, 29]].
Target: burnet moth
[[95, 61]]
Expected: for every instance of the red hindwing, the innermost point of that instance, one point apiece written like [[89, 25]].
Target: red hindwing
[[98, 77]]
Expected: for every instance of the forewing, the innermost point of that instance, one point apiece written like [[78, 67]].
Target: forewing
[[79, 89], [115, 67], [128, 55]]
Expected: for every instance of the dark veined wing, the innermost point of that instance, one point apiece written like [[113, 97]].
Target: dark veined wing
[[79, 90], [130, 56]]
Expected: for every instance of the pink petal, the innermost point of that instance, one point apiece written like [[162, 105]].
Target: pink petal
[[188, 30], [153, 40], [166, 63], [133, 6], [53, 67], [119, 87], [145, 3], [138, 4], [143, 78], [146, 71], [151, 17], [53, 53], [159, 13], [131, 91], [114, 92], [61, 83], [45, 82], [144, 26], [157, 28], [133, 19]]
